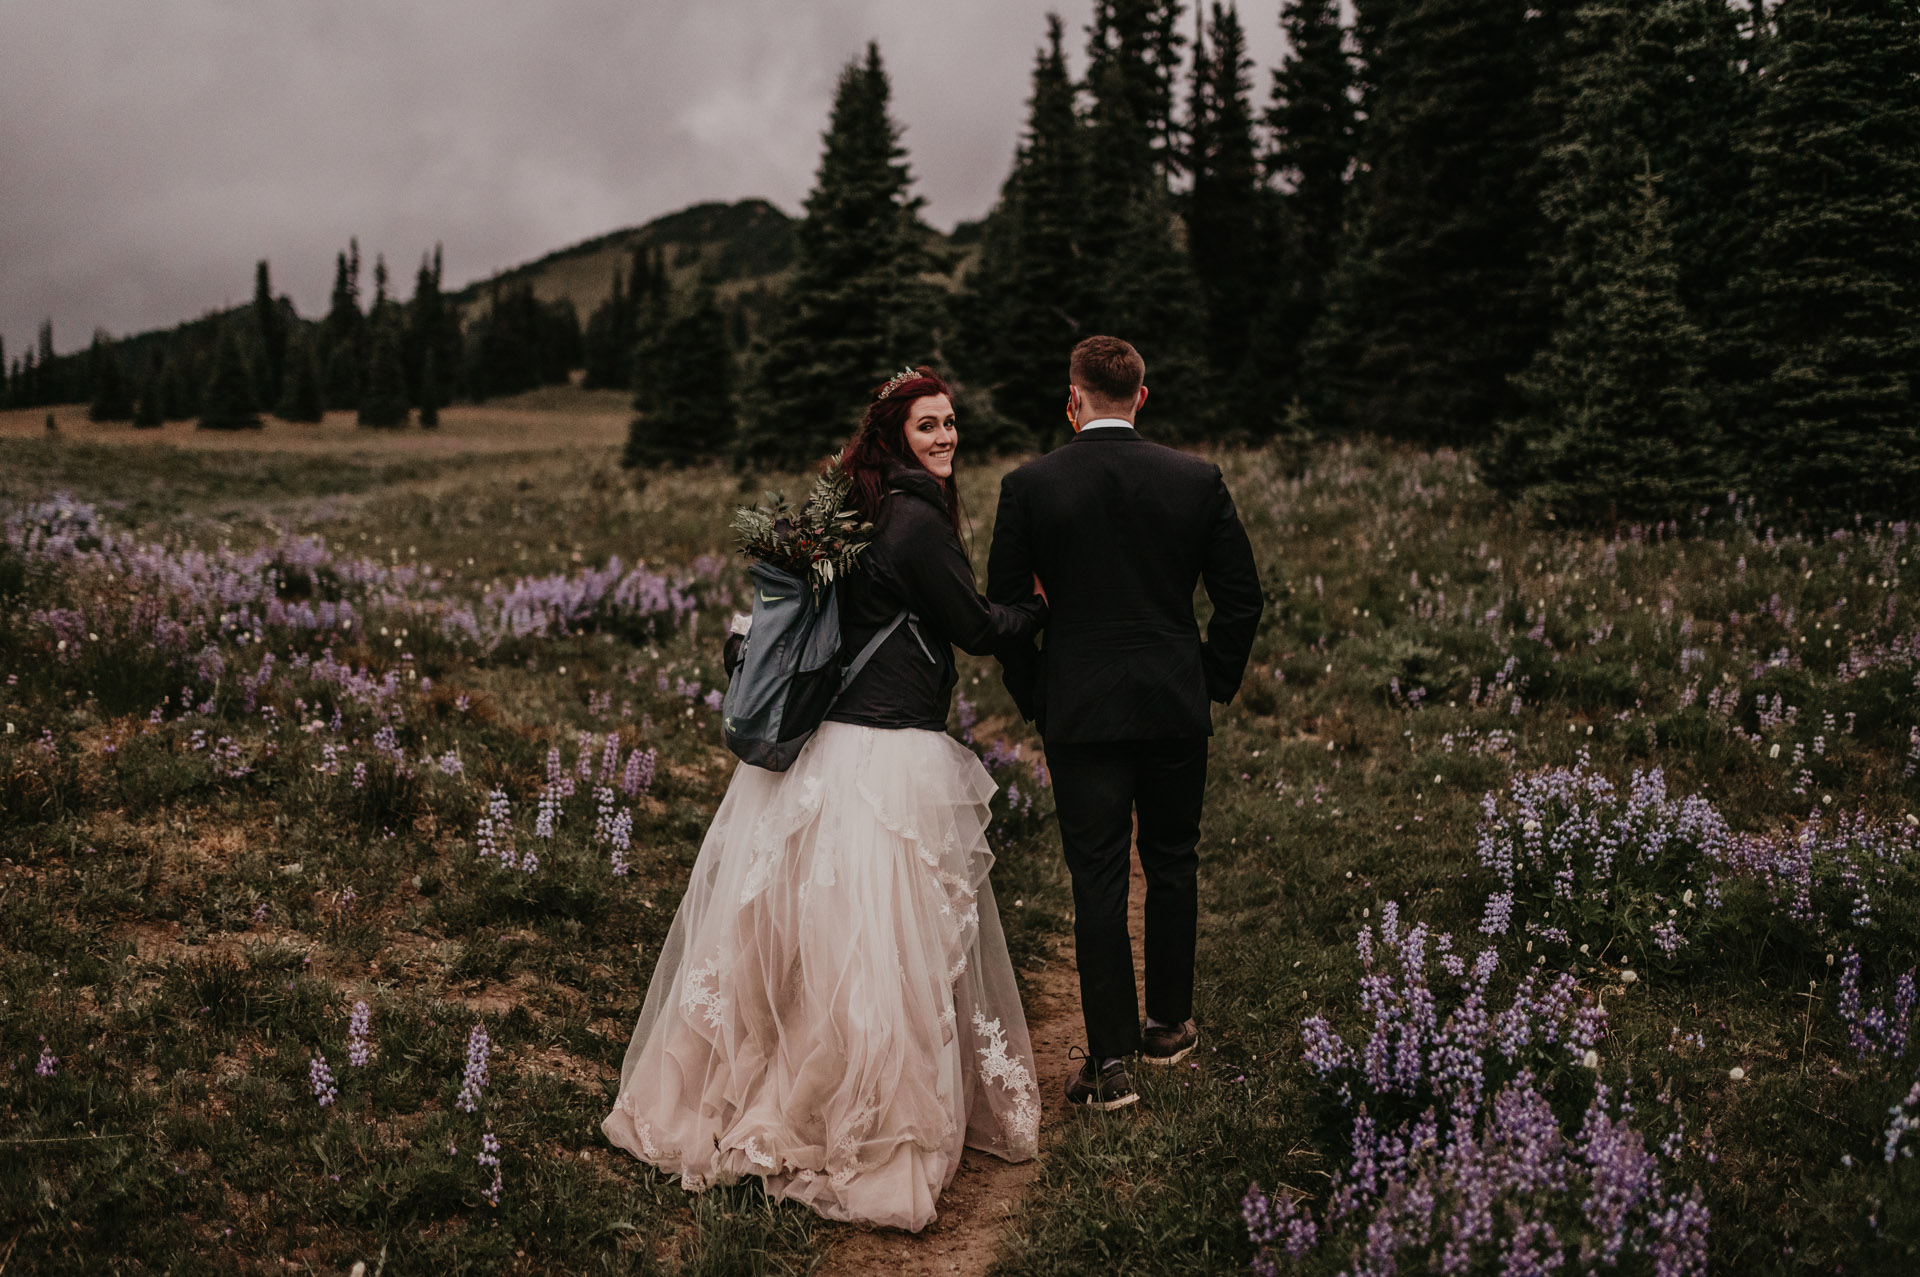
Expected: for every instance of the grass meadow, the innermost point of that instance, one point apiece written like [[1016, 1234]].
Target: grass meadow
[[367, 769]]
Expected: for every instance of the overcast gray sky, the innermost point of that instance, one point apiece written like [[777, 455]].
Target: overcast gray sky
[[152, 150]]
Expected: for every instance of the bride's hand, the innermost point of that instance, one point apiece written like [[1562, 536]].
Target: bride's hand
[[1041, 590]]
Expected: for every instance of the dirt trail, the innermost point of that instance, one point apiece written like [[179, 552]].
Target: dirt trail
[[985, 1192]]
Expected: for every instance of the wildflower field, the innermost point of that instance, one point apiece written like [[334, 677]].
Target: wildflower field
[[1561, 891]]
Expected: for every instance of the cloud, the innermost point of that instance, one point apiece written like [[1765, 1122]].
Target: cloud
[[154, 151]]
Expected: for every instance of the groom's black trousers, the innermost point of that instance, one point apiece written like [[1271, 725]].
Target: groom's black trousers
[[1098, 789]]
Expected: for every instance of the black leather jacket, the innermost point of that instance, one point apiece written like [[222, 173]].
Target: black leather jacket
[[916, 563]]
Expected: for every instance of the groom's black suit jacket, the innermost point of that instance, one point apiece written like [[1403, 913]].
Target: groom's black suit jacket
[[1120, 531]]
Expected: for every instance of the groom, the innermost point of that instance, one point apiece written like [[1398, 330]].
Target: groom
[[1119, 531]]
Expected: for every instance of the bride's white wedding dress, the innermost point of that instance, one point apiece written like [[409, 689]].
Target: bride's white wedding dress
[[833, 1009]]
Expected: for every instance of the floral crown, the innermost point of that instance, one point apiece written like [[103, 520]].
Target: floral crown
[[898, 379]]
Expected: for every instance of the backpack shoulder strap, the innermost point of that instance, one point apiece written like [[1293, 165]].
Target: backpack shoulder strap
[[872, 645]]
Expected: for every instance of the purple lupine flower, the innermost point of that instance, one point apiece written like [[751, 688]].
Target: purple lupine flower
[[1498, 915], [1325, 1052], [320, 1077], [1906, 1118], [495, 834], [638, 777], [1000, 755], [610, 757], [1902, 1019], [603, 813], [48, 1063], [360, 1035], [360, 775], [713, 700], [621, 836], [559, 780], [451, 765], [548, 815], [489, 1159], [474, 1080], [1271, 1220]]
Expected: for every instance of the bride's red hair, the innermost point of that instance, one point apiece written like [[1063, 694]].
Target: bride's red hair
[[879, 448]]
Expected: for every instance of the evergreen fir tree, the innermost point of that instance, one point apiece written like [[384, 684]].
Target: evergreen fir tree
[[649, 302], [44, 382], [1028, 292], [1226, 209], [269, 323], [429, 389], [381, 301], [1313, 118], [1371, 19], [1642, 83], [432, 338], [6, 378], [1140, 279], [1433, 304], [854, 310], [301, 399], [148, 412], [562, 346], [112, 396], [684, 396], [1833, 298], [1638, 86], [47, 356], [1619, 426], [178, 399], [1311, 121], [609, 338], [1139, 275], [384, 400], [1140, 41], [343, 333], [228, 403]]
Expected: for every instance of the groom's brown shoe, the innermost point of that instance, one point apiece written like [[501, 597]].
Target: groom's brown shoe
[[1168, 1043], [1105, 1089]]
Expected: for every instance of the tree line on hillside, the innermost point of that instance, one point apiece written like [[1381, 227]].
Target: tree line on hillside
[[388, 361], [1636, 254]]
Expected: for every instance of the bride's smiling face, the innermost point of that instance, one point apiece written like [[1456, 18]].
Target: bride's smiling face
[[931, 434]]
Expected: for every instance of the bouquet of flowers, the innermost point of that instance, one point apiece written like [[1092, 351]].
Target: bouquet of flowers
[[820, 541]]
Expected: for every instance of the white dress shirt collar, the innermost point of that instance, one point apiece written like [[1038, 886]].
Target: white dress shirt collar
[[1108, 423]]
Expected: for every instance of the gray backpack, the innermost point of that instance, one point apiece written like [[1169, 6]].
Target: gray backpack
[[791, 668]]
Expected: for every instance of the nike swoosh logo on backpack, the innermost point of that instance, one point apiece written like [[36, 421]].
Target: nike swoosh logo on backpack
[[770, 598]]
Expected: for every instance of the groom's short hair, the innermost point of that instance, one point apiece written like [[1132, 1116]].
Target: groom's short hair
[[1109, 370]]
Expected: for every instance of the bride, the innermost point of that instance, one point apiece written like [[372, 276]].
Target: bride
[[833, 1009]]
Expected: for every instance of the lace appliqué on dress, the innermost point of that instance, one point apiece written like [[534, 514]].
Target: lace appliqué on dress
[[1011, 1074], [702, 991], [843, 1158]]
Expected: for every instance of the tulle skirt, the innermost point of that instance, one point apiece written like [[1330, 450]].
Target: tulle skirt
[[833, 1009]]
